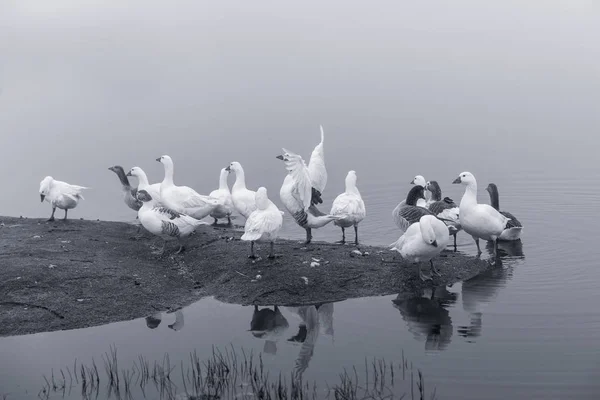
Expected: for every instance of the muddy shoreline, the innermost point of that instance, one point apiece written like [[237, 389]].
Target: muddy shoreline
[[66, 275]]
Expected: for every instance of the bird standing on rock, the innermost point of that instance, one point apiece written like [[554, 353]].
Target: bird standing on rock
[[243, 199], [60, 195], [299, 196], [350, 205], [129, 193], [264, 223], [222, 193]]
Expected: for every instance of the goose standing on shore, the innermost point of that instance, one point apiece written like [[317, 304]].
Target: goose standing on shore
[[222, 193], [444, 208], [481, 221], [183, 199], [422, 242], [60, 195], [298, 195], [143, 184], [351, 206], [419, 180], [243, 199], [317, 170], [164, 222], [263, 223], [129, 193], [514, 226], [408, 212]]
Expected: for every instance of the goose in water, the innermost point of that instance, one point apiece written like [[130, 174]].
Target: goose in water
[[299, 196], [316, 168], [351, 206], [419, 180], [153, 190], [264, 223], [60, 195], [164, 222], [222, 193], [445, 208], [129, 193], [183, 199], [481, 221], [514, 226], [243, 200], [422, 242], [408, 212]]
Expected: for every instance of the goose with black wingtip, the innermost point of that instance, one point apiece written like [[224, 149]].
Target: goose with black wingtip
[[165, 222], [514, 227], [422, 242], [351, 206], [129, 193], [263, 223], [444, 208], [481, 221], [299, 196], [183, 199]]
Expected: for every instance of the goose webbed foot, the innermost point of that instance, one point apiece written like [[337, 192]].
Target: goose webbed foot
[[433, 269], [51, 219], [341, 242]]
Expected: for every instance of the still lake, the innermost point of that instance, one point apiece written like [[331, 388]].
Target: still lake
[[400, 91]]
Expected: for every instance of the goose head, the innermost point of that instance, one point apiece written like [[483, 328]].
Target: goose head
[[234, 166], [262, 199], [351, 179], [45, 186], [492, 188], [165, 160], [465, 178], [135, 171], [144, 196], [418, 180]]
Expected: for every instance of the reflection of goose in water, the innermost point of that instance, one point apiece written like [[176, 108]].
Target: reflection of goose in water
[[480, 290], [507, 249], [153, 321], [316, 319], [178, 324], [269, 325], [427, 317]]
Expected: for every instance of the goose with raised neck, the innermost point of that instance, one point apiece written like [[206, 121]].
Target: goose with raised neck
[[514, 227], [243, 199], [351, 206], [224, 194]]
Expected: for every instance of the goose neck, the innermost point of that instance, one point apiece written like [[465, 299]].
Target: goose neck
[[240, 179]]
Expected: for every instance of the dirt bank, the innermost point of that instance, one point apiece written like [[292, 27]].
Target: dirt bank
[[74, 274]]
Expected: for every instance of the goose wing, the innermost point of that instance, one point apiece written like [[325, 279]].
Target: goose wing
[[302, 183], [262, 221], [66, 189], [316, 166], [189, 198]]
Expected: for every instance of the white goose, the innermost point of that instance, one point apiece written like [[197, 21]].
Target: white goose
[[298, 195], [423, 241], [60, 195], [143, 184], [316, 167], [183, 199], [481, 221], [514, 227], [444, 208], [263, 223], [351, 206], [164, 222], [244, 200], [223, 194]]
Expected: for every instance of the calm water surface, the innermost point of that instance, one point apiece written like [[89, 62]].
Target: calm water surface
[[508, 92]]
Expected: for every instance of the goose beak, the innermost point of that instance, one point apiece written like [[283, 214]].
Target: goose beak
[[42, 197], [457, 180], [279, 157], [158, 159], [129, 173], [228, 169], [434, 243], [412, 182], [111, 169]]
